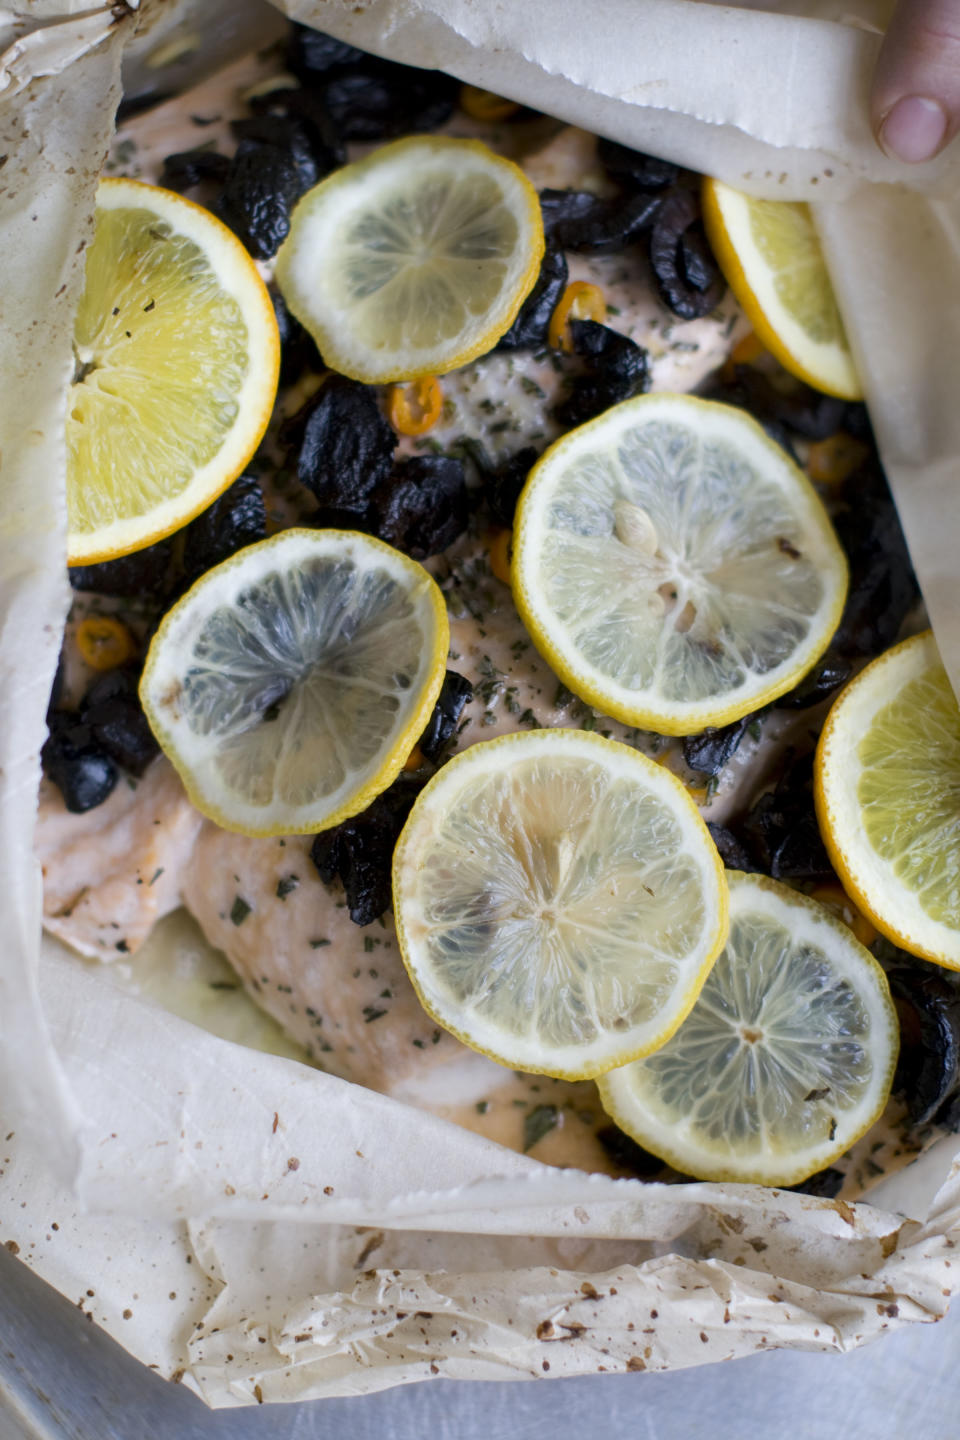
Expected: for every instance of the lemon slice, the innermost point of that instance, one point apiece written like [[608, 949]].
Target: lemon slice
[[786, 1058], [414, 260], [290, 684], [771, 257], [176, 357], [558, 901], [887, 790], [673, 565]]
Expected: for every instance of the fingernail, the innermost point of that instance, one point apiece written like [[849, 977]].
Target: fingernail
[[914, 130]]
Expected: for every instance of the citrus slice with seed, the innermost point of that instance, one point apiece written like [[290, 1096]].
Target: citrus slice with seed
[[176, 358], [290, 684], [413, 260], [887, 790], [558, 901], [785, 1060], [673, 565], [771, 257]]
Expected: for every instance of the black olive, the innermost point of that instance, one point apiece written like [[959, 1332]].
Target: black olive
[[237, 518], [144, 573], [455, 692], [801, 409], [709, 752], [781, 829], [79, 767], [310, 113], [381, 100], [826, 677], [825, 1184], [298, 349], [112, 712], [688, 278], [579, 220], [928, 1007], [423, 506], [360, 850], [311, 53], [883, 586], [344, 448], [258, 196], [634, 169], [282, 132], [617, 369], [529, 330], [504, 484], [187, 168], [628, 1155], [734, 855]]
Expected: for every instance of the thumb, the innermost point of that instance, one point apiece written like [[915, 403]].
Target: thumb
[[915, 105]]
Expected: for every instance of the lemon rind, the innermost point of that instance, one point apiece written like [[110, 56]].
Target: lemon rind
[[838, 375], [580, 1066], [870, 880], [331, 330], [689, 718], [230, 261], [625, 1108], [390, 763]]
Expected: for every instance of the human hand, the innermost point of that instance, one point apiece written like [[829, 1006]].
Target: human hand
[[915, 105]]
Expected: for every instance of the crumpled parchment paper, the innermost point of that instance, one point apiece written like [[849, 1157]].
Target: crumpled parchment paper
[[265, 1232]]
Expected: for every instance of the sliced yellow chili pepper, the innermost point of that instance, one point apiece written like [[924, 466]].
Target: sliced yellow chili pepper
[[835, 459], [501, 547], [835, 898], [485, 105], [415, 408], [746, 352], [414, 760], [580, 301], [104, 642]]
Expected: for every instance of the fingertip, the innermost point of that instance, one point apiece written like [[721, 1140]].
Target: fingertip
[[914, 129]]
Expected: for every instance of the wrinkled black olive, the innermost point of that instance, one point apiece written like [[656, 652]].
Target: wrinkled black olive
[[56, 689], [144, 573], [187, 168], [455, 692], [634, 169], [928, 1008], [883, 586], [282, 132], [237, 518], [734, 855], [309, 111], [311, 53], [79, 767], [423, 506], [826, 677], [503, 485], [709, 752], [529, 330], [298, 349], [360, 850], [578, 220], [625, 1152], [781, 827], [692, 294], [801, 409], [383, 100], [618, 369], [824, 1185], [344, 447], [112, 712], [258, 195], [856, 422]]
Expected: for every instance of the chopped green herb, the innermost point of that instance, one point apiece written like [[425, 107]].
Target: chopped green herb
[[531, 386], [755, 729], [285, 886], [483, 1106], [613, 309], [316, 944], [156, 875], [224, 985], [370, 1012], [239, 910], [528, 718], [368, 944], [539, 1122]]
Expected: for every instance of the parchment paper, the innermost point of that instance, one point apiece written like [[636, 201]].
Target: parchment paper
[[262, 1231]]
